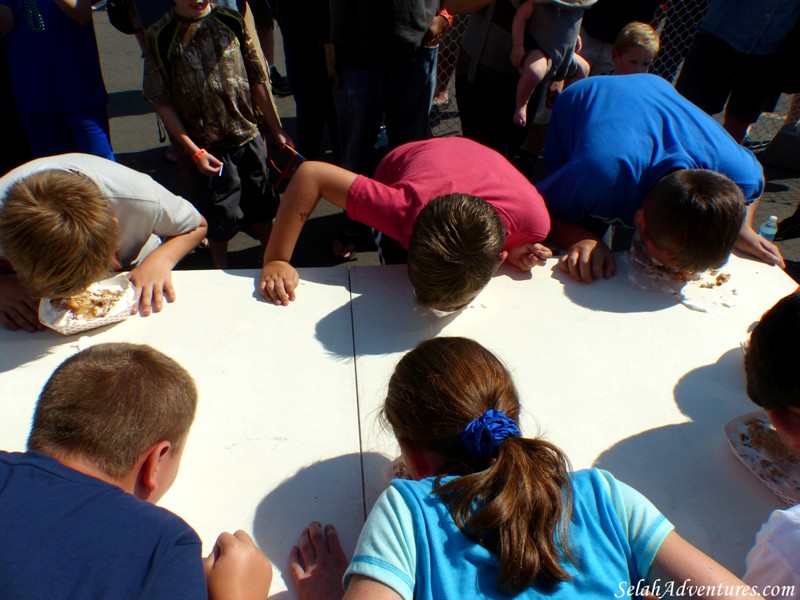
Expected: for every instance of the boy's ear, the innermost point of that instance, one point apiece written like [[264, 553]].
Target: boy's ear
[[147, 477], [615, 54], [787, 423], [503, 257]]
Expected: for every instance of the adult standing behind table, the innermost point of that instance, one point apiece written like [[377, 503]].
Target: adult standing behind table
[[55, 75], [730, 64], [615, 143]]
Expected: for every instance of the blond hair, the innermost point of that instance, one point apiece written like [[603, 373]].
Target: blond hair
[[110, 403], [58, 231], [454, 250], [524, 493], [638, 35]]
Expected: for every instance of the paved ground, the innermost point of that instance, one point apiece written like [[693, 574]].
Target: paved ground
[[136, 141]]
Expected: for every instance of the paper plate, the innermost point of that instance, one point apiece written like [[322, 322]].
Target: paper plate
[[756, 443], [64, 320]]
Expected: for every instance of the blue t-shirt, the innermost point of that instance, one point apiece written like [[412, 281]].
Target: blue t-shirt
[[66, 535], [411, 544], [611, 139]]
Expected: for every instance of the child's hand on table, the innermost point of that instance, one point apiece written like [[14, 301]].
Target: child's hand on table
[[318, 564], [529, 255], [236, 569], [278, 282], [588, 260], [153, 282]]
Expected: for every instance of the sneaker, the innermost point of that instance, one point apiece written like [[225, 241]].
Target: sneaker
[[280, 85]]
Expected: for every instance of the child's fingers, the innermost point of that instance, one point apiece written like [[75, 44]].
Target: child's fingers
[[335, 546], [169, 292]]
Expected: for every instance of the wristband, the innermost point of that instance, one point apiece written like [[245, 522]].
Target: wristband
[[196, 156], [443, 13]]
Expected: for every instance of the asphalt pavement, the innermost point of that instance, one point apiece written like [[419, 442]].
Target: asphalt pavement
[[137, 144]]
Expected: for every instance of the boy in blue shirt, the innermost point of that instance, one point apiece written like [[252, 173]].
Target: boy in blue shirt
[[625, 149], [106, 442]]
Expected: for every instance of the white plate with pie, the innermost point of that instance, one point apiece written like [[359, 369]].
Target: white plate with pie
[[107, 301], [755, 442]]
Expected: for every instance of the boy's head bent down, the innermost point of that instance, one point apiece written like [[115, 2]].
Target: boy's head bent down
[[59, 232], [111, 403], [691, 219], [456, 246]]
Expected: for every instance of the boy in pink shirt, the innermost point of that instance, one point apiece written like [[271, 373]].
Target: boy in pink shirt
[[459, 208]]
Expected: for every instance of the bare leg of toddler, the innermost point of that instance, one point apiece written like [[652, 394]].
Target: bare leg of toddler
[[533, 71]]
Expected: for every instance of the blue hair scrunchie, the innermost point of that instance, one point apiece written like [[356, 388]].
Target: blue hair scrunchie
[[482, 436]]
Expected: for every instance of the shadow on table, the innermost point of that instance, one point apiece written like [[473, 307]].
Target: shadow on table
[[615, 295], [688, 470], [408, 322], [280, 519]]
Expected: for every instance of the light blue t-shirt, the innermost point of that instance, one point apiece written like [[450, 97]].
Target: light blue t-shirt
[[611, 139], [411, 544]]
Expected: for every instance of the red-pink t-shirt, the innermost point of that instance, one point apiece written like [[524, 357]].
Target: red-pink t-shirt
[[412, 175]]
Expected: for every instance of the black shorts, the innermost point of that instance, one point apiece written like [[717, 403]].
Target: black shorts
[[244, 185], [714, 73]]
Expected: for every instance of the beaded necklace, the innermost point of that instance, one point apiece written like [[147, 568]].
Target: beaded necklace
[[35, 21]]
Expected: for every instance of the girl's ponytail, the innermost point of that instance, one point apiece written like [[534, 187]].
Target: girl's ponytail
[[454, 398]]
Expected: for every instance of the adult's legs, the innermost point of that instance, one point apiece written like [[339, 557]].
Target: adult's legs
[[359, 108], [408, 98], [90, 130]]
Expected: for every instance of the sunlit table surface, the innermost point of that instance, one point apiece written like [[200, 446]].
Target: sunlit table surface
[[623, 379], [287, 432]]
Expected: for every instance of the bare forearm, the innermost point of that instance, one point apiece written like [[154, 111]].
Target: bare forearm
[[79, 11], [175, 127], [312, 181], [263, 99], [6, 19], [175, 248], [564, 234]]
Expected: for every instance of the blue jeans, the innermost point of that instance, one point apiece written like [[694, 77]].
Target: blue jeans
[[401, 98]]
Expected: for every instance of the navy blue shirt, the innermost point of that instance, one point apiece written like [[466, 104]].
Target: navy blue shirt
[[68, 535]]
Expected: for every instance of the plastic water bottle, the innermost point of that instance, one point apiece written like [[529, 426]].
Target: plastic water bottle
[[769, 228]]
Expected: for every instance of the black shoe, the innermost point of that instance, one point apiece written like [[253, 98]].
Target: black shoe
[[280, 86]]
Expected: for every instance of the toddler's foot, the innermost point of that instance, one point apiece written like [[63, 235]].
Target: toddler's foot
[[519, 116]]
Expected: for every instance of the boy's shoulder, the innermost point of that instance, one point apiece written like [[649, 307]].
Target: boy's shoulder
[[90, 534]]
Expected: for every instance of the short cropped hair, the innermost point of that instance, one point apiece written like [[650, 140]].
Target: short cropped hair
[[59, 232], [770, 361], [695, 216], [110, 403], [638, 35], [454, 250]]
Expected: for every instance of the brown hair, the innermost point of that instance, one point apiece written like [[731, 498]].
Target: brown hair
[[454, 250], [638, 35], [695, 216], [58, 231], [771, 357], [523, 494], [110, 403]]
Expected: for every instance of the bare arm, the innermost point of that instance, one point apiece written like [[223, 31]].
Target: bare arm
[[19, 308], [208, 164], [521, 17], [753, 244], [263, 99], [678, 561], [312, 181], [6, 19], [153, 277], [79, 11], [586, 257]]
